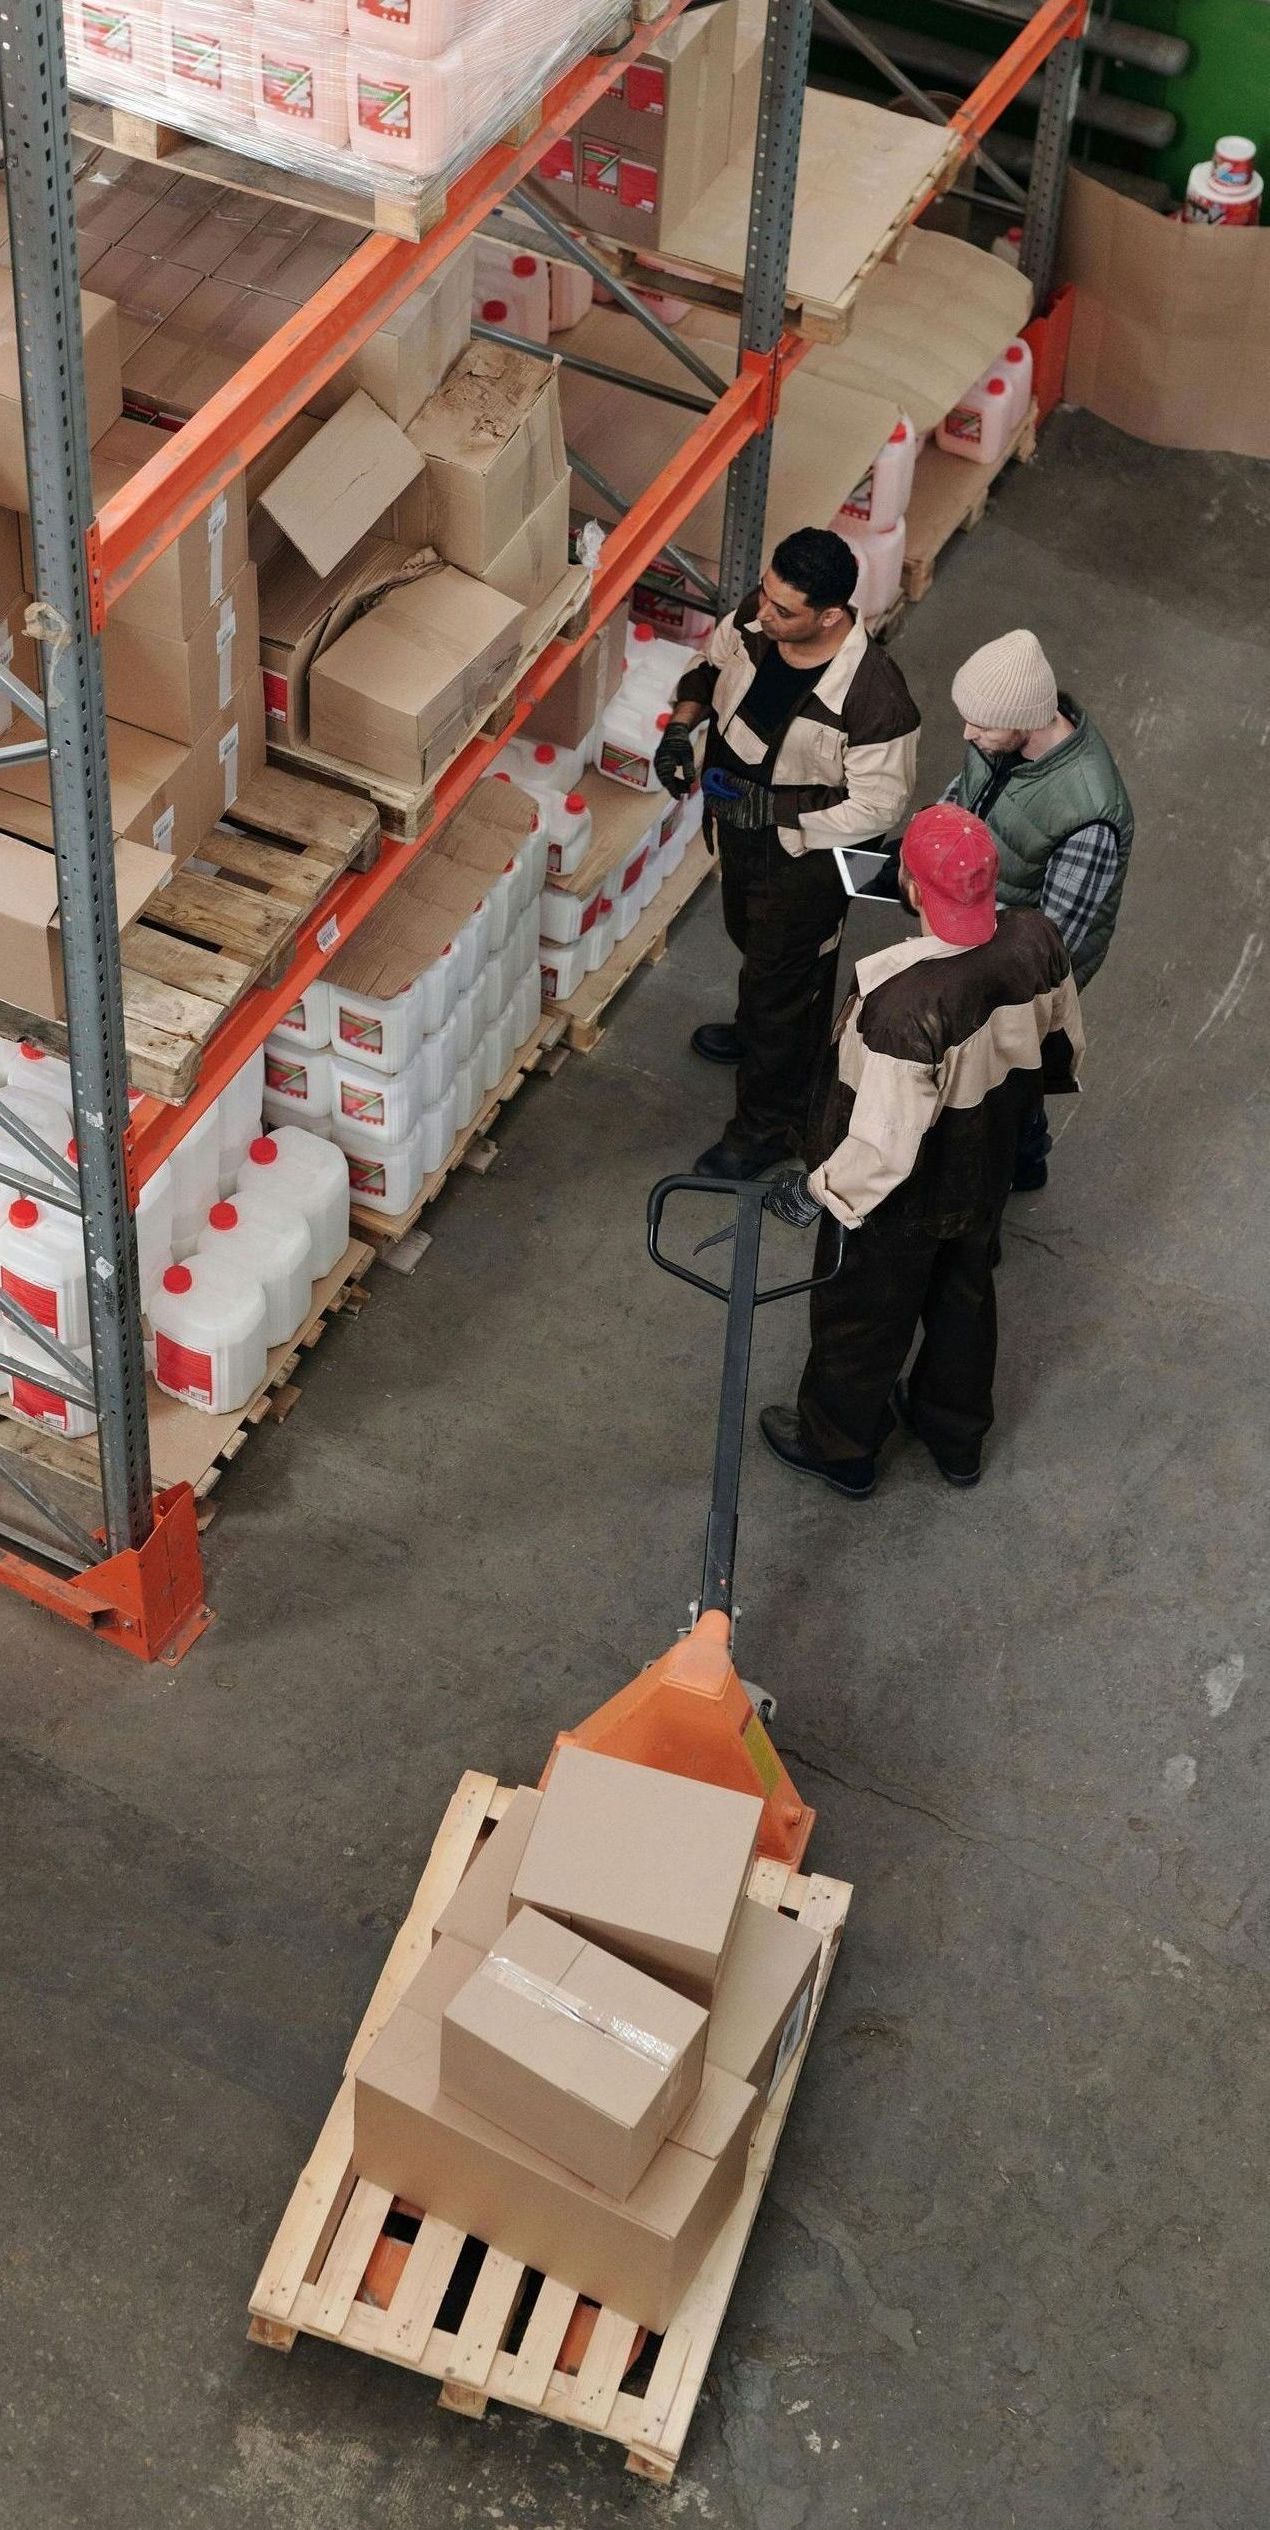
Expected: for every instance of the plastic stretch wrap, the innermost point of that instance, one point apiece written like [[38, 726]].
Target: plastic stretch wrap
[[381, 96]]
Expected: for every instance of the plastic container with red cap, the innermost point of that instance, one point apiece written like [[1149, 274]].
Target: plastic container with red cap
[[272, 1244], [308, 1021], [512, 289], [44, 1116], [981, 423], [195, 1164], [653, 665], [539, 764], [207, 1343], [33, 1401], [302, 1173], [238, 1112], [880, 556], [29, 1066], [42, 1267], [153, 1223], [882, 495], [1015, 366], [628, 734]]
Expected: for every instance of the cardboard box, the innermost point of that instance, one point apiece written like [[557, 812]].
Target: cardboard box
[[196, 571], [1171, 336], [102, 385], [650, 1865], [14, 583], [478, 1911], [762, 2003], [568, 713], [537, 557], [620, 818], [229, 754], [338, 486], [573, 2051], [200, 347], [146, 292], [30, 930], [153, 791], [638, 2255], [408, 355], [296, 607], [648, 150], [178, 686], [747, 75], [429, 659], [494, 447], [291, 253]]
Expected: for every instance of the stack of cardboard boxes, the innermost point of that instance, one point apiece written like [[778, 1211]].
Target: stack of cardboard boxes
[[575, 2073], [648, 150]]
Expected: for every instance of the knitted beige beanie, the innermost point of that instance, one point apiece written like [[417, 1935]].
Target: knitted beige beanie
[[1009, 684]]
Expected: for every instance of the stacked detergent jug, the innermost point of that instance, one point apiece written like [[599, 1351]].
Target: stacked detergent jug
[[983, 421], [873, 519]]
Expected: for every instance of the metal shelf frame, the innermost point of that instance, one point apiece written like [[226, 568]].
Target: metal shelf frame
[[140, 1584]]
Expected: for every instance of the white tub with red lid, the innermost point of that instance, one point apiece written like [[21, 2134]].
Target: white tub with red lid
[[238, 1110], [271, 1245], [308, 1021], [42, 1267], [302, 1171], [207, 1341], [35, 1403]]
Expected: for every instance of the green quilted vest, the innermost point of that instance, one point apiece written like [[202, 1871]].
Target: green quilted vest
[[1033, 807]]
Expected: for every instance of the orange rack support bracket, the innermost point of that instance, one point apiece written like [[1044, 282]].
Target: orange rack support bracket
[[148, 1601], [689, 1714]]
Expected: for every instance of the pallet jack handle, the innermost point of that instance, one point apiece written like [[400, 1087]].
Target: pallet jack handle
[[743, 1297]]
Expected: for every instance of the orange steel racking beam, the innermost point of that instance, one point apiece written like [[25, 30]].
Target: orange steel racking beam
[[1049, 25]]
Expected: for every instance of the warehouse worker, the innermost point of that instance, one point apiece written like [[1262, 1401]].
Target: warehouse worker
[[941, 1051], [812, 743], [1044, 780]]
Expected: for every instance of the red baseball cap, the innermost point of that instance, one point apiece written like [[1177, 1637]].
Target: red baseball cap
[[954, 860]]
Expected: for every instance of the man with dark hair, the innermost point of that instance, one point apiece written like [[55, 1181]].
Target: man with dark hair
[[811, 745]]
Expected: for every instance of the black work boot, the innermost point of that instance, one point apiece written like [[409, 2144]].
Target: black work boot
[[856, 1477], [742, 1159], [717, 1041]]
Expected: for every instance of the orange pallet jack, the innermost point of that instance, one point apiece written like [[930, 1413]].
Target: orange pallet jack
[[690, 1712]]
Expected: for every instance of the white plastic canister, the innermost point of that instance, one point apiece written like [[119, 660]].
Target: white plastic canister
[[32, 1402], [42, 1267], [272, 1246], [30, 1067], [45, 1117], [208, 1345], [299, 1169], [296, 1079], [238, 1117], [379, 1106], [308, 1021], [881, 496], [195, 1165]]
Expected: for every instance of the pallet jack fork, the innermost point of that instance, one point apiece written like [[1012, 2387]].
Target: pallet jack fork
[[690, 1712]]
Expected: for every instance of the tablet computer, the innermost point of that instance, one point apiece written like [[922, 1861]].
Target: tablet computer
[[858, 869]]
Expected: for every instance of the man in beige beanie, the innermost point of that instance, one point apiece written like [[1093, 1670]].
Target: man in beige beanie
[[1044, 781]]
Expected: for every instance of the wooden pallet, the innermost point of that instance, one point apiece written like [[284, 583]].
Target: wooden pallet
[[466, 2315], [644, 946], [471, 1148], [186, 1446], [404, 809], [951, 493], [202, 941], [393, 212]]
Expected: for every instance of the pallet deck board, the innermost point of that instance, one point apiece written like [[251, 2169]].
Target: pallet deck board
[[644, 946], [329, 2226]]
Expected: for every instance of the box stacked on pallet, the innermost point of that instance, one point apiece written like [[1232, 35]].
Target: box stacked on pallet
[[576, 2072]]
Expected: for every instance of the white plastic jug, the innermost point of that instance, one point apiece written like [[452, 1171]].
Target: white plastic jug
[[469, 1022], [981, 423], [238, 1116], [296, 1079], [568, 829], [518, 285], [299, 82], [499, 1043], [374, 1106], [31, 1068], [881, 496], [540, 764], [531, 865], [627, 736], [32, 1402], [654, 872], [572, 294], [1015, 366], [45, 1117], [1006, 247], [380, 1033], [42, 1267], [601, 939], [469, 1088], [195, 1166], [308, 1021], [207, 1342], [881, 561], [625, 886], [303, 1171], [562, 966], [405, 1161], [528, 1004], [562, 917], [153, 1223], [654, 664], [271, 1244]]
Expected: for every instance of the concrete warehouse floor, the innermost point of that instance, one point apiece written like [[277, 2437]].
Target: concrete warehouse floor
[[1011, 2269]]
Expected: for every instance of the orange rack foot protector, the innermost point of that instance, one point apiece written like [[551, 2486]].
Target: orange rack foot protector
[[148, 1600], [689, 1714]]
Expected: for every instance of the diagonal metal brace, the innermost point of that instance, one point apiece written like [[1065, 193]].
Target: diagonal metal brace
[[577, 252], [33, 1143], [86, 1547], [72, 1384], [607, 492]]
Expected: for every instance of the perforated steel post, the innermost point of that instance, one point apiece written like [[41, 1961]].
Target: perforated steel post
[[786, 48], [37, 144], [1060, 89]]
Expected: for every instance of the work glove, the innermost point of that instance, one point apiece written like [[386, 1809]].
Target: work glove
[[789, 1196], [675, 764]]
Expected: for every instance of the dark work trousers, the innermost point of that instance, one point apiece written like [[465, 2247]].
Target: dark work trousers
[[785, 916], [863, 1322]]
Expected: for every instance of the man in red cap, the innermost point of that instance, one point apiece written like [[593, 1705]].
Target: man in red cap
[[945, 1046]]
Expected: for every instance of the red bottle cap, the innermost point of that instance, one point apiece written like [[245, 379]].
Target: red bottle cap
[[574, 800], [178, 1278], [524, 266], [544, 754], [996, 386], [23, 1213], [1014, 352], [645, 632], [32, 1053], [72, 1153], [898, 435], [495, 311], [663, 720], [264, 1150], [223, 1217], [502, 777]]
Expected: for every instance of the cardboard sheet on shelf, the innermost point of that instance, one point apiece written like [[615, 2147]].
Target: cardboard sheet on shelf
[[859, 170], [827, 433], [924, 328]]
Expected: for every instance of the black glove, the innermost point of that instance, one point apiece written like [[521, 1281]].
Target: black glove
[[674, 764], [790, 1197]]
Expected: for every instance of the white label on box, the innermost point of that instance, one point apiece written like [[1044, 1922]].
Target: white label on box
[[228, 753], [792, 2036], [217, 518], [328, 935], [226, 630], [162, 830]]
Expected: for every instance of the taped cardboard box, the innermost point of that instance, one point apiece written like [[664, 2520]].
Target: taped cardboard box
[[536, 559], [485, 834], [154, 796], [103, 389], [296, 609], [478, 1911], [200, 347], [408, 356], [428, 660], [747, 75], [1171, 333], [573, 2051], [30, 931], [145, 292], [569, 711], [197, 569], [340, 484], [638, 2255], [650, 1865], [175, 685], [762, 2003], [494, 447], [649, 149]]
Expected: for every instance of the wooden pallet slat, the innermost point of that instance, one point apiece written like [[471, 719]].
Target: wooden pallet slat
[[309, 2281]]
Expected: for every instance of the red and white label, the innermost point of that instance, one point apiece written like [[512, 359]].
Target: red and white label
[[287, 86], [964, 423], [275, 694], [181, 1372], [286, 1080], [559, 165], [383, 106], [366, 1036], [198, 59], [36, 1298], [367, 1177], [635, 872], [638, 186], [601, 168], [39, 1404], [365, 1106], [645, 88], [394, 12]]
